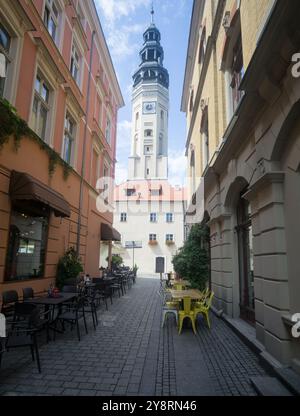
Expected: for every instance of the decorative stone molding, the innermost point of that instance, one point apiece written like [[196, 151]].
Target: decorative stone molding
[[226, 21], [262, 182]]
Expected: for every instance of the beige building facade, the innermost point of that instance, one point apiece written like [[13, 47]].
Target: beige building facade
[[241, 96]]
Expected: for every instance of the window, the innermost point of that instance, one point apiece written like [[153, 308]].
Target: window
[[202, 47], [192, 101], [5, 45], [95, 168], [153, 217], [205, 138], [162, 119], [148, 150], [193, 172], [75, 63], [69, 139], [130, 192], [152, 237], [170, 237], [40, 109], [51, 18], [137, 121], [27, 245], [246, 267], [123, 217], [161, 145], [237, 73], [169, 217], [148, 133], [108, 131]]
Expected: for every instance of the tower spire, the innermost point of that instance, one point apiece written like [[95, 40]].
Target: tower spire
[[152, 13]]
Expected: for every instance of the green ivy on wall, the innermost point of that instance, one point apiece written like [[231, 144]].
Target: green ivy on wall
[[11, 125]]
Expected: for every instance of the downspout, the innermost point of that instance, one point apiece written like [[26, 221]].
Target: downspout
[[84, 145]]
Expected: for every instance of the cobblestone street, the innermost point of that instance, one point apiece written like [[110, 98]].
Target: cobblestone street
[[129, 354]]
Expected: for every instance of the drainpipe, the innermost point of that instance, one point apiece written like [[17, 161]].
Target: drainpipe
[[84, 145]]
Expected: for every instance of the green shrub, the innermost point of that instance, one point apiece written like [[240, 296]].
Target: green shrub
[[69, 267], [192, 260]]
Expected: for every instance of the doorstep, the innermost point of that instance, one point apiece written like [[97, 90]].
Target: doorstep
[[287, 376]]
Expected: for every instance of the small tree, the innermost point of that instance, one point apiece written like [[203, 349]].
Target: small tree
[[116, 261], [69, 266], [192, 260]]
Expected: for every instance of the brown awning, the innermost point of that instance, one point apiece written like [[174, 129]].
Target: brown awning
[[24, 187], [109, 233]]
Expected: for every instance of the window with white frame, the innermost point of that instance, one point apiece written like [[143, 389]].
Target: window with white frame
[[153, 217], [123, 217], [169, 217], [5, 58], [152, 237], [40, 108], [69, 139], [169, 237], [75, 64], [108, 130], [51, 18]]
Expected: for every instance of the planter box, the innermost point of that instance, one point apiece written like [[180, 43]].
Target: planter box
[[152, 243]]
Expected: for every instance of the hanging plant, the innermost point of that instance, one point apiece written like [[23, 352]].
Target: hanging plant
[[11, 125]]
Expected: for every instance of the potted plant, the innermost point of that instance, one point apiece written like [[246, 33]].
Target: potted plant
[[69, 267]]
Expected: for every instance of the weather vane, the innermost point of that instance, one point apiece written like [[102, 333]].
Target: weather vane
[[152, 13]]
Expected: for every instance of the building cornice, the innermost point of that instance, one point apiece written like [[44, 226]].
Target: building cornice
[[210, 43]]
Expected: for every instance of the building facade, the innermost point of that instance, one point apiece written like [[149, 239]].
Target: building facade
[[149, 211], [56, 70], [241, 97]]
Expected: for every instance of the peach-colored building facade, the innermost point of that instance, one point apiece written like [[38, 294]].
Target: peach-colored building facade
[[60, 78]]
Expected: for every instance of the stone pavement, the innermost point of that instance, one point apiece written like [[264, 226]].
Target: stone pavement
[[130, 354]]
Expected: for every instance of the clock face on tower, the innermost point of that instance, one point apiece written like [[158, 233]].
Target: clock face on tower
[[149, 107]]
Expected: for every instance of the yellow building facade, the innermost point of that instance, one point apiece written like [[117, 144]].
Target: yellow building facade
[[242, 103]]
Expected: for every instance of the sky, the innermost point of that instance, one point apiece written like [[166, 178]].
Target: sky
[[123, 23]]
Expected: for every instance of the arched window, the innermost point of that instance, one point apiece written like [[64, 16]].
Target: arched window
[[137, 116], [162, 119], [245, 250], [161, 145]]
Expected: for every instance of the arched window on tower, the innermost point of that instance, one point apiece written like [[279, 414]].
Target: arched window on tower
[[137, 116], [161, 145], [162, 119]]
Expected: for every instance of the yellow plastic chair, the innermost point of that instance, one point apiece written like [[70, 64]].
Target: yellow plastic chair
[[204, 307], [179, 287], [187, 312]]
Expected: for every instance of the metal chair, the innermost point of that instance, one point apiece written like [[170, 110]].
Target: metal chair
[[24, 328], [167, 309], [9, 298], [28, 293], [73, 314]]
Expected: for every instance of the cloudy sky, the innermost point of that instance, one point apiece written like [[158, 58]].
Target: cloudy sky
[[124, 22]]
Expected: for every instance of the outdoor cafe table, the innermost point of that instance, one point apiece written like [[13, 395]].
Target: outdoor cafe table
[[48, 302], [180, 282], [194, 294]]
